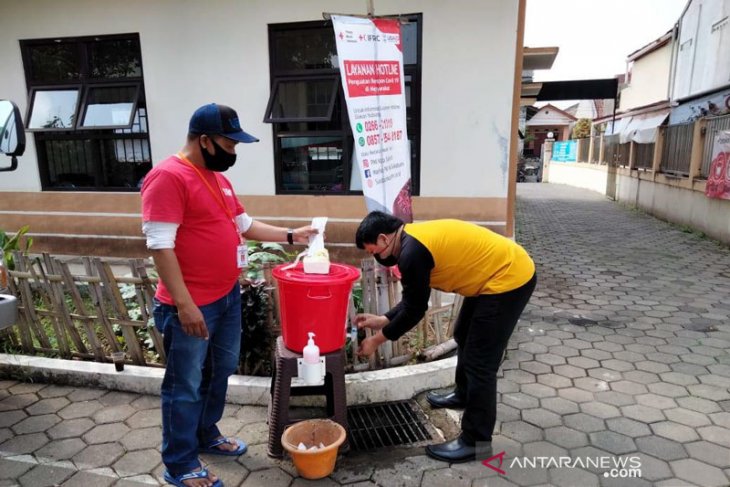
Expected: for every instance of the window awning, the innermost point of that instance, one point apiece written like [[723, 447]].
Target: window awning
[[617, 126], [643, 128]]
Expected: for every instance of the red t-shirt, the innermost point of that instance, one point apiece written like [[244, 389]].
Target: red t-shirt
[[207, 239]]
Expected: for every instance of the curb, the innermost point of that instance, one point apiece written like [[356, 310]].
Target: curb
[[395, 384]]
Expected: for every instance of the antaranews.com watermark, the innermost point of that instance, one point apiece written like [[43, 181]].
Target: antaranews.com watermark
[[608, 466]]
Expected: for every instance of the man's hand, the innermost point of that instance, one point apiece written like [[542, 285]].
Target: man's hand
[[301, 234], [192, 321], [373, 322], [370, 345]]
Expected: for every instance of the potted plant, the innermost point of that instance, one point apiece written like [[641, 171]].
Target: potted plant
[[8, 302]]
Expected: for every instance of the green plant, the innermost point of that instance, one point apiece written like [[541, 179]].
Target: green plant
[[582, 128], [257, 339], [10, 244], [263, 253]]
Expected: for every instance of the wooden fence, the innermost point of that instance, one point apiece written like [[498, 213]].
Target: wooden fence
[[91, 312]]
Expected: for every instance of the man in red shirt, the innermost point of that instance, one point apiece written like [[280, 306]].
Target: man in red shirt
[[194, 226]]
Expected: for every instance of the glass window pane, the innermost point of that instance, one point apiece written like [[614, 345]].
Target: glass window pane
[[312, 48], [54, 62], [109, 106], [71, 163], [115, 58], [312, 164], [409, 41], [54, 109], [139, 124], [303, 99]]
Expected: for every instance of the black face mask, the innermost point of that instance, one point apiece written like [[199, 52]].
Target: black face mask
[[389, 261], [219, 162]]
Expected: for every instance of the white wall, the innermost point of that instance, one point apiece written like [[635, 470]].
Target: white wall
[[547, 115], [649, 79], [703, 51], [196, 52], [578, 175]]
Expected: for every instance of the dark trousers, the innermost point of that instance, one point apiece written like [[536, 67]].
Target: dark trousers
[[482, 331]]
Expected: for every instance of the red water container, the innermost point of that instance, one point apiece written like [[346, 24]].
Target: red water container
[[316, 303]]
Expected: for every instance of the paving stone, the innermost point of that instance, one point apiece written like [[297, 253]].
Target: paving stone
[[709, 453], [89, 479], [605, 374], [661, 448], [257, 458], [140, 439], [46, 475], [9, 418], [651, 366], [698, 404], [6, 434], [656, 401], [118, 398], [615, 398], [715, 434], [521, 431], [53, 390], [550, 359], [554, 380], [405, 474], [137, 481], [652, 469], [642, 413], [12, 469], [687, 417], [113, 414], [584, 363], [47, 406], [231, 473], [19, 401], [618, 365], [95, 456], [641, 377], [146, 402], [600, 410], [538, 390], [70, 428], [535, 367], [149, 417], [612, 442], [584, 422], [541, 418], [709, 392], [566, 437], [441, 477], [692, 470], [575, 394], [82, 395], [357, 473], [137, 462], [669, 390], [628, 427], [628, 387], [35, 424], [591, 384], [105, 433], [25, 388], [79, 409], [254, 433], [23, 444], [507, 386], [61, 449], [559, 405], [674, 431], [572, 477]]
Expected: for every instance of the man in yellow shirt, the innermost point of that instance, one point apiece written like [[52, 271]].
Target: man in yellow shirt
[[497, 278]]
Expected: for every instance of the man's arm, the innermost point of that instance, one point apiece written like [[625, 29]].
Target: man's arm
[[168, 268], [269, 233]]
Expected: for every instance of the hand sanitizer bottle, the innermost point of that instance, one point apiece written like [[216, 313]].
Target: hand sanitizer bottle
[[312, 368]]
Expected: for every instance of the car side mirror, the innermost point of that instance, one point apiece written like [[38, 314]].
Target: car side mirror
[[12, 133]]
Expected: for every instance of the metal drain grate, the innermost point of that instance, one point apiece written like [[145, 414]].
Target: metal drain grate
[[376, 426]]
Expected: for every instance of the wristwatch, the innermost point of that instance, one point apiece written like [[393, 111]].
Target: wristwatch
[[290, 236]]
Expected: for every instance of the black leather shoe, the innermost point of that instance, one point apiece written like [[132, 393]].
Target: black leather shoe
[[451, 400], [459, 451]]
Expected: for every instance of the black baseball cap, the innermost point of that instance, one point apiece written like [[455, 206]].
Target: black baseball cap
[[213, 119]]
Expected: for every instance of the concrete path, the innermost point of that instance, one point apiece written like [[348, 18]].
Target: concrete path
[[622, 356]]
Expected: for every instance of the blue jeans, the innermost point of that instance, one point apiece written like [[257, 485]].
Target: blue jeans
[[196, 378]]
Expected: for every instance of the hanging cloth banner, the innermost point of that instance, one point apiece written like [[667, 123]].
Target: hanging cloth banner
[[718, 179], [371, 66]]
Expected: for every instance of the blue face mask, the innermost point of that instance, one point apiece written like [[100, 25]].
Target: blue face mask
[[221, 161]]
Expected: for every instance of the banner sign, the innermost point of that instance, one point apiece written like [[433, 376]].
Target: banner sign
[[371, 65], [564, 151], [718, 179]]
